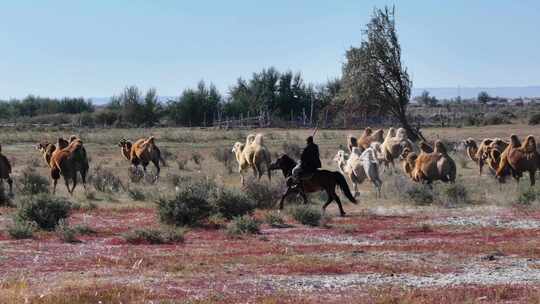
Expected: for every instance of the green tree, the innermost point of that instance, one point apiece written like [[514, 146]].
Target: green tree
[[374, 76], [483, 97], [426, 100], [195, 107]]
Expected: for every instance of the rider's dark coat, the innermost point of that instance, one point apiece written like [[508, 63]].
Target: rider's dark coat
[[310, 160]]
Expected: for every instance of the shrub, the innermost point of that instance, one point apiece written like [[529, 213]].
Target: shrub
[[104, 180], [419, 194], [231, 203], [167, 155], [263, 194], [274, 219], [243, 225], [189, 207], [216, 221], [494, 119], [136, 194], [534, 119], [527, 197], [21, 229], [306, 215], [154, 236], [292, 150], [43, 209], [455, 194], [66, 233], [182, 163], [135, 174], [197, 158], [31, 183], [84, 230]]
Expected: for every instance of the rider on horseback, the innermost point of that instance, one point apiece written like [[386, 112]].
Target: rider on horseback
[[309, 161]]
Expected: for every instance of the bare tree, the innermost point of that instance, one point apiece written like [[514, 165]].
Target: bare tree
[[374, 76]]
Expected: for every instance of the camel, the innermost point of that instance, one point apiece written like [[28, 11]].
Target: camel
[[430, 166], [67, 162], [519, 158], [370, 136], [5, 171], [252, 154], [142, 152], [359, 167], [471, 148], [394, 144]]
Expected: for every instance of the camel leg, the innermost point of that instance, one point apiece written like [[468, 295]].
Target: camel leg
[[74, 182], [158, 169], [356, 194], [55, 182], [532, 178], [259, 171], [83, 177], [66, 181], [10, 183]]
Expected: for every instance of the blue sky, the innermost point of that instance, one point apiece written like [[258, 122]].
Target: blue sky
[[95, 48]]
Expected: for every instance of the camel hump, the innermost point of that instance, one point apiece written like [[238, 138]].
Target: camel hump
[[62, 143], [259, 139], [250, 139], [514, 141], [530, 144], [425, 147], [151, 140], [440, 147]]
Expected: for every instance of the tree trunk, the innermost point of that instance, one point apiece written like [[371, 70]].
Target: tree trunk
[[413, 134]]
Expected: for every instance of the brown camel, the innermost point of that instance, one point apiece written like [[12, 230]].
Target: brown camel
[[5, 171], [370, 136], [142, 152], [519, 158], [67, 162], [429, 167]]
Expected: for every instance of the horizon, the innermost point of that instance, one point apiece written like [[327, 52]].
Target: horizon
[[96, 49]]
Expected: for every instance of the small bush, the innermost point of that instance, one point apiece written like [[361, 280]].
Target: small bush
[[43, 209], [66, 233], [274, 219], [197, 158], [216, 221], [31, 183], [182, 163], [189, 207], [454, 194], [534, 119], [154, 236], [21, 229], [243, 225], [420, 194], [231, 203], [292, 150], [306, 215], [90, 195], [104, 180], [84, 230], [495, 119], [263, 194], [136, 194], [167, 155], [527, 197], [135, 174]]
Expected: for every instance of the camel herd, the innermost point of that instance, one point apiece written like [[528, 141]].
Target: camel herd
[[368, 154]]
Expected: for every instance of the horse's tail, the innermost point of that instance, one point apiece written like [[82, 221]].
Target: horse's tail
[[342, 182]]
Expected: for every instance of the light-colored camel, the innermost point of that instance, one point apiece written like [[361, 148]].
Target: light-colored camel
[[5, 171], [394, 144], [252, 154], [519, 158], [142, 152], [359, 167]]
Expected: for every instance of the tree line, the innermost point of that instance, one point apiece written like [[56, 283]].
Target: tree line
[[374, 83]]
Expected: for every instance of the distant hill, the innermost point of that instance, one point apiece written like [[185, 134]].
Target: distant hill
[[470, 92]]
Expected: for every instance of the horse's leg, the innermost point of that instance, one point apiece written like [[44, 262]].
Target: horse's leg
[[338, 202], [328, 201], [283, 198]]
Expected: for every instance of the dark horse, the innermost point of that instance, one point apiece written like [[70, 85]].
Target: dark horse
[[322, 180]]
